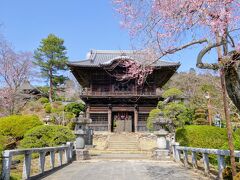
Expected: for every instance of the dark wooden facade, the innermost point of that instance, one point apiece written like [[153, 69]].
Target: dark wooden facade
[[113, 105]]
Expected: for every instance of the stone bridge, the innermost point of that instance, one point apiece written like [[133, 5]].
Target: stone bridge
[[58, 163]]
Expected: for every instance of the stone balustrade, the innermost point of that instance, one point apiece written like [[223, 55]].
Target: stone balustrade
[[66, 150], [181, 153]]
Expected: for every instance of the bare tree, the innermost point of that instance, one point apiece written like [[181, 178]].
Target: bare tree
[[15, 68]]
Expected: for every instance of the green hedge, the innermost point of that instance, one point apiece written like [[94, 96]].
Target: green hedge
[[46, 136], [205, 137], [16, 126]]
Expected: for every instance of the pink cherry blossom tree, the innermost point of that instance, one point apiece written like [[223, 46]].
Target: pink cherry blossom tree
[[168, 26], [15, 68]]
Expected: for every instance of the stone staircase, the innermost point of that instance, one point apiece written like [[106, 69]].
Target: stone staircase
[[120, 146], [123, 142]]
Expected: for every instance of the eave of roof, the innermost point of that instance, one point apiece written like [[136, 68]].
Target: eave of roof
[[98, 58]]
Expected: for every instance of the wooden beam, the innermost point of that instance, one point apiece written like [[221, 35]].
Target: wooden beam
[[136, 118]]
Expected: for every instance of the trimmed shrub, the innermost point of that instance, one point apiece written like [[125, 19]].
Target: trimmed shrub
[[172, 92], [43, 100], [2, 143], [48, 108], [46, 136], [74, 108], [71, 125], [200, 117], [16, 126], [205, 137], [152, 115]]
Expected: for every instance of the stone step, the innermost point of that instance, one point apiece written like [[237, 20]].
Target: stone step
[[123, 149], [116, 148], [123, 143], [119, 146], [121, 156], [123, 140]]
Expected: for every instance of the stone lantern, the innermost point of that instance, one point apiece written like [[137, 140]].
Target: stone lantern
[[161, 138], [47, 119], [80, 132], [162, 151]]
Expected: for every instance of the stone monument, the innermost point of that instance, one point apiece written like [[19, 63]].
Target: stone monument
[[80, 132]]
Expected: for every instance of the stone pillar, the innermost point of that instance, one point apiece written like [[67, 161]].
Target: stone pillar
[[87, 111], [109, 117], [136, 118], [7, 158], [27, 165]]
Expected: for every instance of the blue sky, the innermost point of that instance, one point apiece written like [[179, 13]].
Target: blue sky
[[83, 24]]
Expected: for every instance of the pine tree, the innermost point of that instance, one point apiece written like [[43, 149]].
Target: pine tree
[[51, 58]]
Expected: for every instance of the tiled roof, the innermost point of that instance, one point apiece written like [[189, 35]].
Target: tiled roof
[[96, 58]]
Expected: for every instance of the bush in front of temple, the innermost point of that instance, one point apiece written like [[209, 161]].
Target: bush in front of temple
[[203, 136], [15, 126], [47, 136], [152, 115], [74, 108]]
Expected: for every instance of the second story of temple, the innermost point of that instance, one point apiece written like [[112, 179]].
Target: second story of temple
[[98, 74]]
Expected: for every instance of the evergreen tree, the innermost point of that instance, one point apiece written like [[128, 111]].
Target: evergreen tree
[[51, 58]]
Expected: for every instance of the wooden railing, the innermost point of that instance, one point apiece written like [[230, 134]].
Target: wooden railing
[[181, 153], [89, 92], [67, 150]]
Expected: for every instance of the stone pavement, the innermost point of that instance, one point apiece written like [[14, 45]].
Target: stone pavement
[[124, 170]]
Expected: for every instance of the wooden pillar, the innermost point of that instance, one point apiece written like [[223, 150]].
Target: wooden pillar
[[109, 117], [136, 118], [87, 111]]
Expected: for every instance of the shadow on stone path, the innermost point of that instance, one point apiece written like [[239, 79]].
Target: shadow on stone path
[[124, 170]]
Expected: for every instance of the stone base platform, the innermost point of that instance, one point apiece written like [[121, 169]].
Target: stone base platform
[[161, 154], [82, 154]]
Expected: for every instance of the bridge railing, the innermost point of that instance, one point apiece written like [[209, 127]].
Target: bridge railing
[[182, 153], [64, 150]]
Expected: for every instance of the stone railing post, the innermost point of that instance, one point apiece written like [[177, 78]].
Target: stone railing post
[[221, 165], [60, 157], [66, 155], [52, 159], [185, 157], [177, 153], [7, 158], [194, 159], [27, 165], [206, 162], [42, 161], [69, 152]]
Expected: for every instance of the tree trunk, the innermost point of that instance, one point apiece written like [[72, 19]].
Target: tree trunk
[[51, 86], [228, 124], [232, 78], [226, 106]]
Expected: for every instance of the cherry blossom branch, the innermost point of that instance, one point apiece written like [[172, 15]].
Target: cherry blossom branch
[[171, 51]]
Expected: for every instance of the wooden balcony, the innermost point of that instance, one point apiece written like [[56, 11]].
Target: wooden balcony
[[88, 92]]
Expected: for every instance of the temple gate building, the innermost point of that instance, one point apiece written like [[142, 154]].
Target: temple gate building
[[119, 106]]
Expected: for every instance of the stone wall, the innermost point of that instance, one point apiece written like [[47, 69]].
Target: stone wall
[[100, 140]]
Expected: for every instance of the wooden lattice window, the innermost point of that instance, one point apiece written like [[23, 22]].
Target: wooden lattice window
[[142, 117], [99, 118]]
